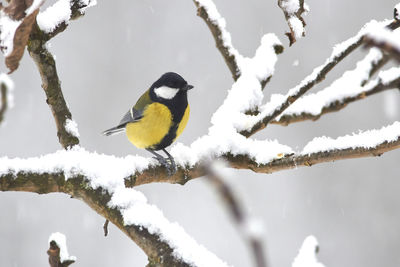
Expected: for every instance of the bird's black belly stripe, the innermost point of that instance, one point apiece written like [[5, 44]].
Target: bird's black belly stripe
[[177, 107]]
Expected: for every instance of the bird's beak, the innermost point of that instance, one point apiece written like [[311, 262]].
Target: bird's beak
[[187, 87]]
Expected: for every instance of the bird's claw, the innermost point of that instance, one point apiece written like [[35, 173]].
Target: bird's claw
[[170, 166]]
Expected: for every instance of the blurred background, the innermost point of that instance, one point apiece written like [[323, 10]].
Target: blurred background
[[107, 59]]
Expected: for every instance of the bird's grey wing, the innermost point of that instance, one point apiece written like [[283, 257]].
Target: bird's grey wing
[[133, 115]]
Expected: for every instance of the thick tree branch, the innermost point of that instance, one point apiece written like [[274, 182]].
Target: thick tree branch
[[244, 223], [182, 176], [158, 251], [51, 85], [316, 77]]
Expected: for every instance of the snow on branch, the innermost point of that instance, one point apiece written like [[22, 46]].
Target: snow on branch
[[58, 252], [56, 18], [77, 163], [384, 39], [207, 10], [136, 211], [293, 11], [6, 96], [278, 104], [307, 256], [98, 180], [349, 88], [368, 139], [236, 63]]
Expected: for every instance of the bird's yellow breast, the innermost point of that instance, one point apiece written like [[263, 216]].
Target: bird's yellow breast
[[152, 128]]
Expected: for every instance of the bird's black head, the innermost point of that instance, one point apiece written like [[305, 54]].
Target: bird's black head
[[172, 80], [170, 85]]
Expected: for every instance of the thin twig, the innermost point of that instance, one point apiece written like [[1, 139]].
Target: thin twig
[[238, 214], [4, 101], [105, 227]]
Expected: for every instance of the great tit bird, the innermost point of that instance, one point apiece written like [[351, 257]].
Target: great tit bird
[[158, 117]]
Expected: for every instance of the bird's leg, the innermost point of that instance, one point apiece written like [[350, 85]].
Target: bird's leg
[[162, 161], [171, 159]]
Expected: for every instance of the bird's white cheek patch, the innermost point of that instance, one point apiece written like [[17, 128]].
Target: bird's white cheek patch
[[166, 92]]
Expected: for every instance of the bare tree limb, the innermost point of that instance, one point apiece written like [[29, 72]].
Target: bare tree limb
[[4, 101], [241, 219], [105, 227], [51, 84], [316, 77]]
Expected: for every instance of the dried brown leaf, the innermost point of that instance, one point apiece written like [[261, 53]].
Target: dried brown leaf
[[16, 8], [20, 40]]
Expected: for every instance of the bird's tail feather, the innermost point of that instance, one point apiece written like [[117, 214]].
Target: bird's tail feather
[[114, 130]]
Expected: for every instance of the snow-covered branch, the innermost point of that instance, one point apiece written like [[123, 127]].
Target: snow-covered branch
[[350, 87], [277, 105], [6, 97], [293, 11], [236, 63], [261, 156], [165, 243], [207, 10], [386, 40], [57, 17]]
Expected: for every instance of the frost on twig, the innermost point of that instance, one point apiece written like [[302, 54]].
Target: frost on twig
[[58, 252], [307, 256], [293, 11], [249, 227], [6, 96]]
